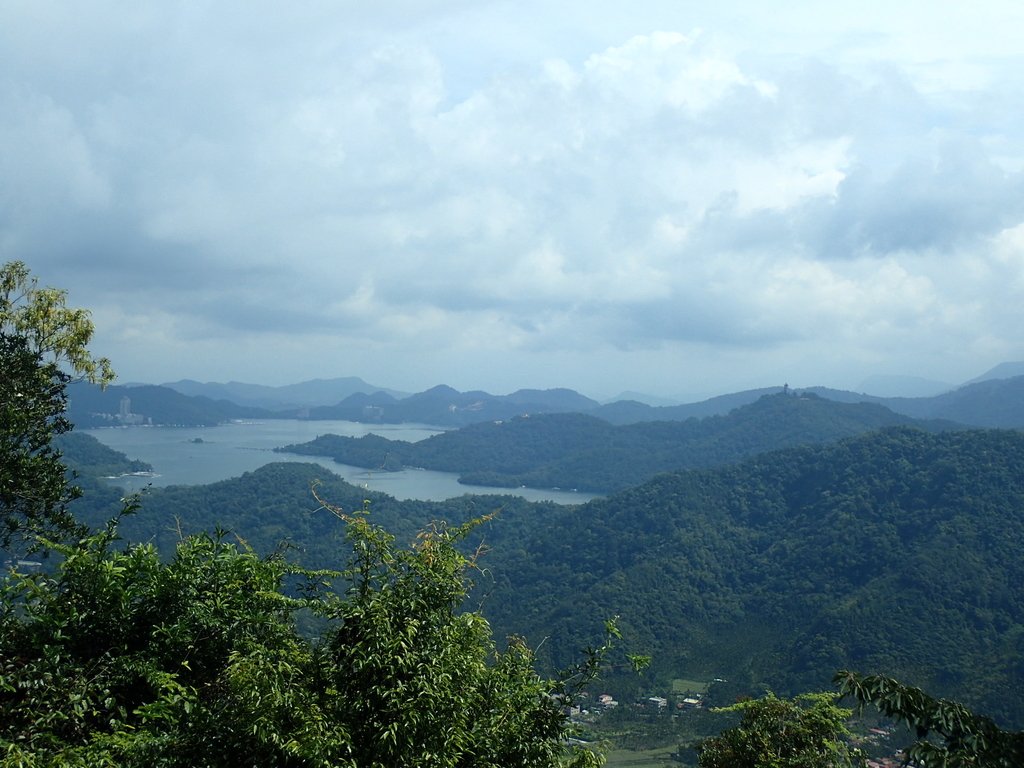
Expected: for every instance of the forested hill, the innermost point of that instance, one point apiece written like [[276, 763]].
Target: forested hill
[[85, 455], [990, 403], [896, 552], [583, 452], [273, 509]]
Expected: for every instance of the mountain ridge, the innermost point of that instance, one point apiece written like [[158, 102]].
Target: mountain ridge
[[582, 451], [303, 394], [992, 402]]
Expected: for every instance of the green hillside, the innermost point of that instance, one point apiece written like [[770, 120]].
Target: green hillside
[[584, 452], [989, 403], [895, 552], [87, 455], [274, 507]]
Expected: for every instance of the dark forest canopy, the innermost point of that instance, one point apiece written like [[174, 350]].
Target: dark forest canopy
[[91, 457], [896, 551]]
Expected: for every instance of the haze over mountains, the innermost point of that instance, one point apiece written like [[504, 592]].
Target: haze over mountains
[[326, 392], [994, 399], [302, 395]]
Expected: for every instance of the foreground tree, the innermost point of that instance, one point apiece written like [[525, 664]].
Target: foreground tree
[[948, 734], [43, 344], [120, 659], [808, 731], [34, 488], [58, 333]]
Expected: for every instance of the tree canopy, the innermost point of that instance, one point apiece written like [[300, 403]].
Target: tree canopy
[[34, 489], [808, 731], [58, 333], [121, 659], [948, 734], [43, 344]]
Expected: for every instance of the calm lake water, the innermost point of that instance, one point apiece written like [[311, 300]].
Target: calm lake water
[[230, 450]]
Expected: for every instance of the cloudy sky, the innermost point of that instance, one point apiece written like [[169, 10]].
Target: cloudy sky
[[666, 197]]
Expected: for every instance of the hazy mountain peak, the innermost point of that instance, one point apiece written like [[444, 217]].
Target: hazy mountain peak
[[304, 394], [1006, 370], [902, 386], [641, 397]]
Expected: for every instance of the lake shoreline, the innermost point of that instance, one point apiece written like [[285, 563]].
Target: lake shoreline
[[203, 455]]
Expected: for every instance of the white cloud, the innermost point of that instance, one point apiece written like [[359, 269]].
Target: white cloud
[[46, 158], [451, 183]]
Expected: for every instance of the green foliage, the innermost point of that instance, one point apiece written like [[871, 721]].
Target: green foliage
[[808, 731], [894, 551], [419, 682], [121, 659], [34, 488], [39, 337], [58, 333], [949, 735], [118, 659]]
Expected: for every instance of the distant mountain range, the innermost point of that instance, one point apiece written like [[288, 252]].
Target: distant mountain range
[[147, 404], [289, 397], [1001, 371], [995, 399], [903, 386]]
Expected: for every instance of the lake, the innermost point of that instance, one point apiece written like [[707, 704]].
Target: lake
[[201, 455]]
